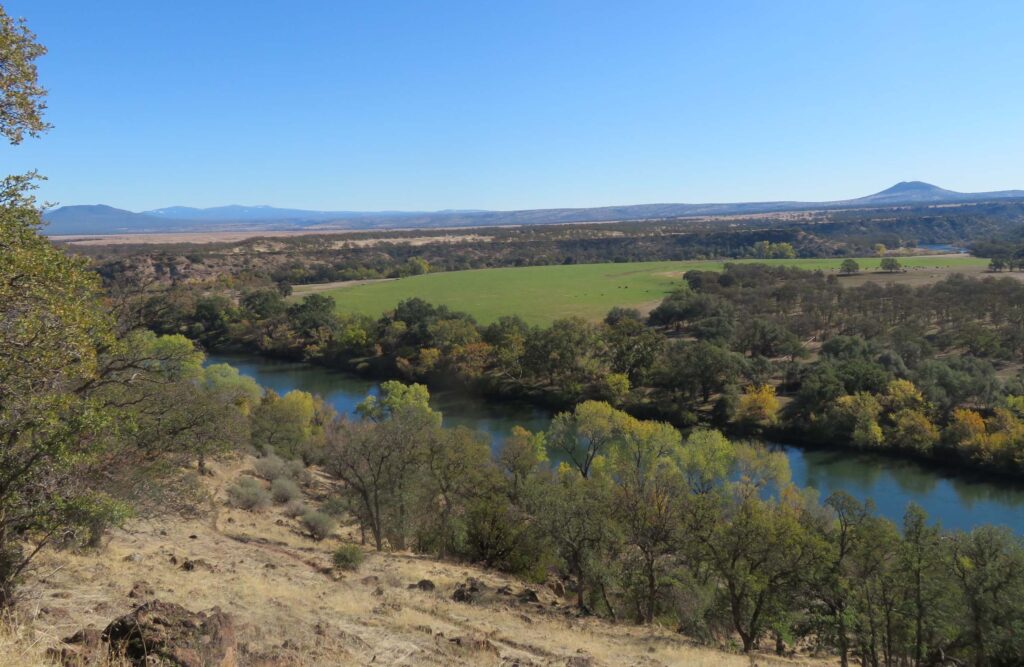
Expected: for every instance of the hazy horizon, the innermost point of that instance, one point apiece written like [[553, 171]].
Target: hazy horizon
[[451, 209], [458, 105]]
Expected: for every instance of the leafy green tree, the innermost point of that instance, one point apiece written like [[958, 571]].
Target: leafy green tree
[[707, 459], [843, 539], [283, 424], [632, 346], [762, 554], [455, 463], [569, 354], [891, 265], [913, 430], [379, 457], [758, 406], [521, 458], [849, 267], [855, 418], [698, 369], [22, 98], [53, 330], [648, 501], [264, 304], [576, 512], [988, 565], [923, 576], [585, 434], [507, 337], [878, 604]]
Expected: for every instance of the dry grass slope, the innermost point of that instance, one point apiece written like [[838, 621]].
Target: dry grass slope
[[293, 608]]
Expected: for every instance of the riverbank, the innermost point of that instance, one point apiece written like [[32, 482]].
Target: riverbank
[[957, 500]]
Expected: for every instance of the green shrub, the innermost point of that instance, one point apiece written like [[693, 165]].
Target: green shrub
[[348, 557], [284, 490], [295, 509], [272, 467], [334, 506], [318, 524], [248, 494], [269, 467], [296, 470]]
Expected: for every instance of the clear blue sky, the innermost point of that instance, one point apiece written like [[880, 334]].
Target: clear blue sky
[[427, 105]]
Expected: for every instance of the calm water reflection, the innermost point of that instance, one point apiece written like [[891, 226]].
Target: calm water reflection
[[958, 502]]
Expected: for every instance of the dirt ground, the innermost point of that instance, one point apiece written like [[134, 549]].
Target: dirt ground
[[926, 276], [288, 602]]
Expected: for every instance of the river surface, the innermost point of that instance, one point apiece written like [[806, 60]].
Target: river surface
[[957, 502]]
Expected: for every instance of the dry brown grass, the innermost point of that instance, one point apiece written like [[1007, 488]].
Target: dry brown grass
[[289, 604]]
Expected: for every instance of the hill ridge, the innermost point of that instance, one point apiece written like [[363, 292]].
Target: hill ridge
[[104, 219]]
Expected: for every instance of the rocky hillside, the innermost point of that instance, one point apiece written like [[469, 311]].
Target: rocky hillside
[[270, 596]]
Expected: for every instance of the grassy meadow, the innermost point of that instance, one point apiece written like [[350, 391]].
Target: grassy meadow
[[541, 294]]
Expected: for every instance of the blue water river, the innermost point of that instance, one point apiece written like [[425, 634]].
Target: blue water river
[[956, 501]]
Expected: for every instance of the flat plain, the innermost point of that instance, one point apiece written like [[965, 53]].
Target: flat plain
[[542, 294]]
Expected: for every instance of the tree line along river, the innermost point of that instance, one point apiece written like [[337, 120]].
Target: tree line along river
[[957, 501]]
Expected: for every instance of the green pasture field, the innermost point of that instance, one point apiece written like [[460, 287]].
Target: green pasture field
[[541, 294]]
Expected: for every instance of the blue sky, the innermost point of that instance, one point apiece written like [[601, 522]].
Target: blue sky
[[428, 105]]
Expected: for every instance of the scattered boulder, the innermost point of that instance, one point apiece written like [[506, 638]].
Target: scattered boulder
[[55, 612], [188, 565], [159, 633], [140, 590], [82, 648], [474, 644], [424, 585], [468, 591], [529, 596]]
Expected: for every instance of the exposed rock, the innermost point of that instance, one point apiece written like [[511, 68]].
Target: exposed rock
[[474, 644], [529, 596], [557, 587], [423, 585], [82, 648], [189, 565], [468, 591], [140, 590], [159, 633]]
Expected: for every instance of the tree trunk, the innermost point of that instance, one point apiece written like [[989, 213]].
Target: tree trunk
[[652, 592], [842, 639]]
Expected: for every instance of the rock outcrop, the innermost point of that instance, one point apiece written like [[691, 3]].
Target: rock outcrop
[[158, 633]]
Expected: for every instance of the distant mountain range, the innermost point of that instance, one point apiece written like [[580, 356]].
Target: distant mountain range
[[101, 219]]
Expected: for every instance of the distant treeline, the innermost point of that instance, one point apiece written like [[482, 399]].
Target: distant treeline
[[390, 254], [930, 371]]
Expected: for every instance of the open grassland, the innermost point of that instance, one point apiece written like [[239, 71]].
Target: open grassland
[[541, 294]]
